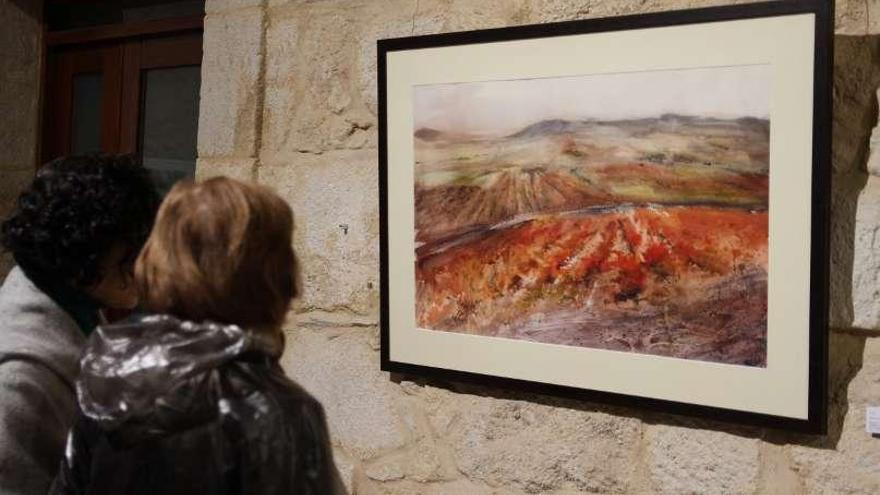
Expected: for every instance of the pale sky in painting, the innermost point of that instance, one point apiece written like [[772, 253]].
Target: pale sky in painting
[[503, 107]]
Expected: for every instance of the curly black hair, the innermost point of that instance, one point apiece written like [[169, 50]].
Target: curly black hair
[[76, 210]]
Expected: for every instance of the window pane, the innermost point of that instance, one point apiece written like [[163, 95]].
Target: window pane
[[170, 125], [86, 119]]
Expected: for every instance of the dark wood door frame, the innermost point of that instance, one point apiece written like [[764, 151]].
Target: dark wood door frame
[[125, 30], [120, 52], [64, 66]]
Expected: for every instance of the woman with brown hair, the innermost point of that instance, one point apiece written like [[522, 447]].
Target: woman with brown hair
[[190, 398]]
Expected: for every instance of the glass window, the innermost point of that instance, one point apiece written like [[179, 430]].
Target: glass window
[[86, 118], [170, 123]]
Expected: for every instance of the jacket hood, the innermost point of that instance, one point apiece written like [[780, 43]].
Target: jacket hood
[[153, 375]]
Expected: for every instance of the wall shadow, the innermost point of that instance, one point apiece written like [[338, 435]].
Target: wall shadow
[[846, 353], [30, 8], [856, 80]]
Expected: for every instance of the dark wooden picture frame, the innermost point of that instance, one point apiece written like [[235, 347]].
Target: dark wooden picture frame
[[817, 396]]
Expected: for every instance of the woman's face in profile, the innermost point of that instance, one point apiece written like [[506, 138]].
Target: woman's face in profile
[[116, 289]]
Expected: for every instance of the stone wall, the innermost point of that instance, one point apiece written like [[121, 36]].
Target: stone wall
[[289, 99], [20, 53]]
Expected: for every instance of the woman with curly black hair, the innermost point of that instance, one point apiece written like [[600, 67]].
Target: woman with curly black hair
[[74, 234]]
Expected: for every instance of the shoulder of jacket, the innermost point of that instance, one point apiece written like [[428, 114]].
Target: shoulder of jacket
[[34, 328], [22, 372]]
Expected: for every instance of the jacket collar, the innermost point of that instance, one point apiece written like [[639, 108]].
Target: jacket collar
[[84, 309]]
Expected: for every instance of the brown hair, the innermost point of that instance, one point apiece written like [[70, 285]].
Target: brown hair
[[220, 251]]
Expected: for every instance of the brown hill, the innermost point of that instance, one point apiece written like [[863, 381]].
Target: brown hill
[[428, 134], [448, 209]]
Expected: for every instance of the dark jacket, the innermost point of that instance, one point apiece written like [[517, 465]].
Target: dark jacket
[[176, 407]]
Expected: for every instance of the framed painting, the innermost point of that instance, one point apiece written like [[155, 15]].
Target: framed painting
[[631, 210]]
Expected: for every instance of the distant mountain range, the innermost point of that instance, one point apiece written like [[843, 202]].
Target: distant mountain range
[[547, 127], [551, 127]]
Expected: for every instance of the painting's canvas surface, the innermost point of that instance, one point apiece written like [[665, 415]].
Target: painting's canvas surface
[[622, 211]]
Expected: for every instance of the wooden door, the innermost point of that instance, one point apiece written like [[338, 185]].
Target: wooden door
[[97, 84], [82, 103]]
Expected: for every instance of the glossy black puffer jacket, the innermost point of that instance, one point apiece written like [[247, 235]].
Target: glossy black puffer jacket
[[174, 407]]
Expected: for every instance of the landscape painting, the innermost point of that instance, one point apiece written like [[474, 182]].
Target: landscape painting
[[625, 212]]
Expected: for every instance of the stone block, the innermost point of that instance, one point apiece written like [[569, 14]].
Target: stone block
[[851, 463], [874, 148], [537, 448], [777, 474], [690, 460], [845, 356], [544, 11], [401, 22], [851, 16], [866, 258], [844, 203], [443, 16], [321, 64], [236, 168], [563, 10], [387, 469], [427, 461], [313, 102], [408, 18], [217, 6], [343, 373], [231, 93], [457, 487], [431, 462], [856, 78], [873, 16], [20, 50], [335, 202]]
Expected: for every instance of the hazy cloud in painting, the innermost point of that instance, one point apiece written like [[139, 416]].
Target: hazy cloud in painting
[[499, 107]]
